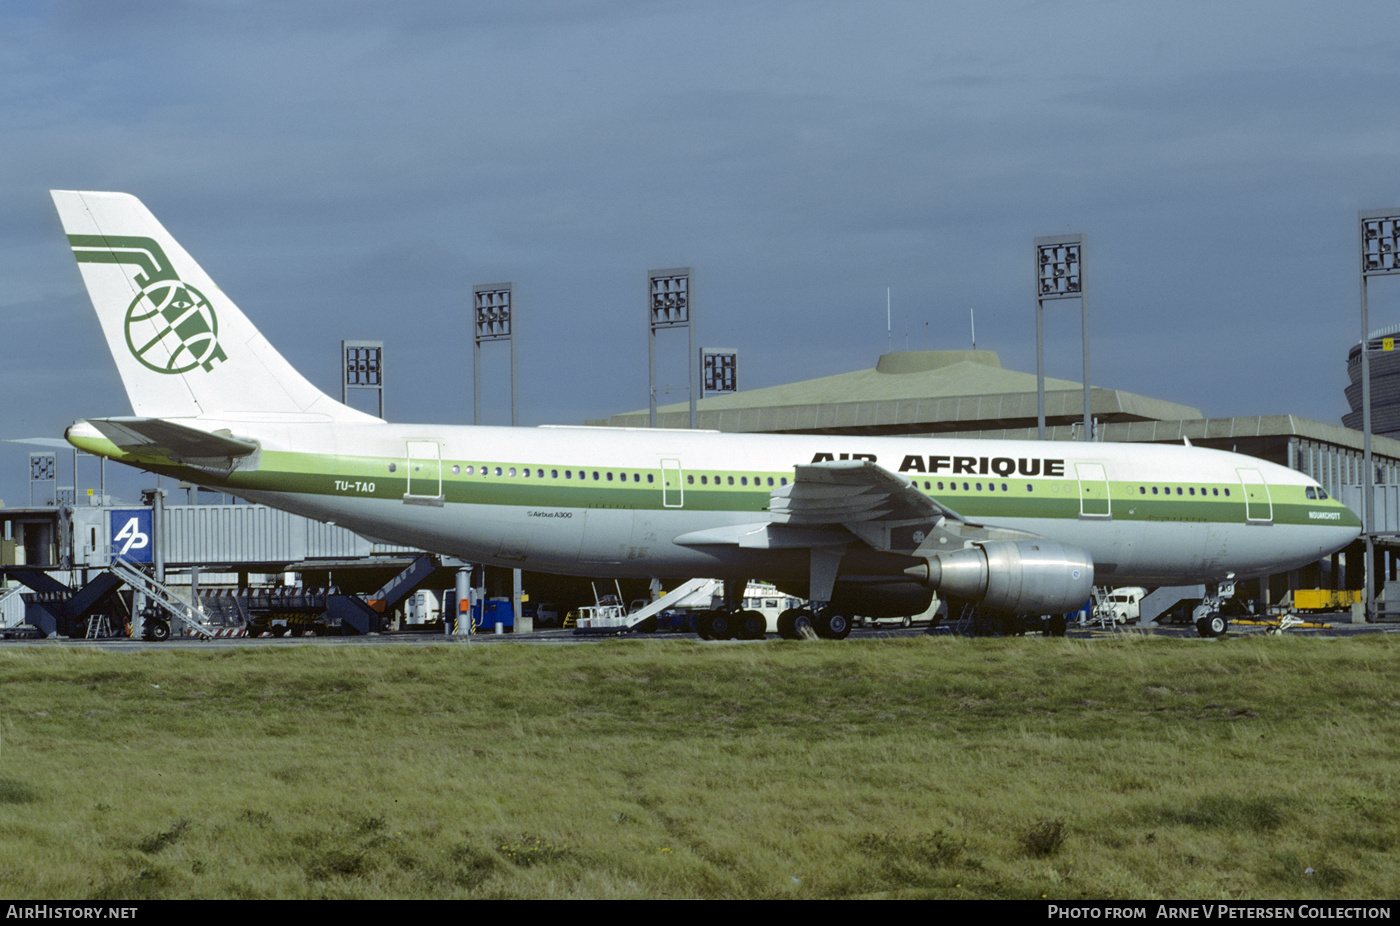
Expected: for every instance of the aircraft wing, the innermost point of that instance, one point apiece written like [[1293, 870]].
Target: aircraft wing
[[882, 508], [825, 503], [849, 492], [156, 440]]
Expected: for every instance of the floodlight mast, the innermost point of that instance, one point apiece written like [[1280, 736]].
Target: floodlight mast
[[1059, 274], [1379, 231], [493, 308], [670, 304], [493, 314]]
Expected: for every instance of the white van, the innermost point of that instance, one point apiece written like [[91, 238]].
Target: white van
[[1123, 604]]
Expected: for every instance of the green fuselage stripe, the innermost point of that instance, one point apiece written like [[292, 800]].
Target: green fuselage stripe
[[371, 477]]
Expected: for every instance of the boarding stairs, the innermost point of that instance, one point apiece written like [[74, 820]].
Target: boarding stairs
[[614, 618], [11, 611], [1102, 611], [158, 594]]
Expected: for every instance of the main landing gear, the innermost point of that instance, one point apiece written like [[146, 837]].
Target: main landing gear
[[819, 617], [793, 624], [797, 623], [726, 624], [732, 621]]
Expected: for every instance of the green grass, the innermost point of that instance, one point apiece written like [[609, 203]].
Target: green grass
[[1134, 768]]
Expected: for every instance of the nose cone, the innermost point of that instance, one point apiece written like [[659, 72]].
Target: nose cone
[[1351, 526], [1346, 522], [1332, 528]]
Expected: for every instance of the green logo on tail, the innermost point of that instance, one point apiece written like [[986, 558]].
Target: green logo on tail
[[170, 325]]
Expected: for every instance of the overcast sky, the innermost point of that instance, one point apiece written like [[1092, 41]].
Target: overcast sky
[[350, 170]]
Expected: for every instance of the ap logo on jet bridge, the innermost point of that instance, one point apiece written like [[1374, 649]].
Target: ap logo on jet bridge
[[130, 534], [170, 325]]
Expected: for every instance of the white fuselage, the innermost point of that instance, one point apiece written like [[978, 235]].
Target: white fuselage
[[612, 502]]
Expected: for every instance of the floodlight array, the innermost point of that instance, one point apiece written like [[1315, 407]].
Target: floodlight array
[[1060, 270], [42, 466], [1380, 244], [720, 372], [364, 366], [492, 314], [670, 301]]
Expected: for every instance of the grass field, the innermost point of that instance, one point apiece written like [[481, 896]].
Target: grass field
[[964, 768]]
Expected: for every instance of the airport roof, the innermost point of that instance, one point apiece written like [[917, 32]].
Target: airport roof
[[915, 392], [1263, 436]]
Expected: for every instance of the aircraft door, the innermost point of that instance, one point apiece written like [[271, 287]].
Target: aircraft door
[[1094, 501], [1258, 505], [424, 464], [672, 494]]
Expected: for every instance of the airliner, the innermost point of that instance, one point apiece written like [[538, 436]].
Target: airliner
[[854, 525]]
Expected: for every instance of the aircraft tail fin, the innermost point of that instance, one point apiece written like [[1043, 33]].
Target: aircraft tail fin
[[182, 347]]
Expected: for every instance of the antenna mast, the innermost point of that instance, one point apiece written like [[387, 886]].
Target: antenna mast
[[889, 335]]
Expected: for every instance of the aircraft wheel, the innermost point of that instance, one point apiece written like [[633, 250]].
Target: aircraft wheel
[[1056, 625], [722, 625], [832, 626], [751, 625], [794, 623], [704, 625]]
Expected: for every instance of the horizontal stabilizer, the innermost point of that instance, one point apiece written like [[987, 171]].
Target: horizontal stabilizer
[[161, 441]]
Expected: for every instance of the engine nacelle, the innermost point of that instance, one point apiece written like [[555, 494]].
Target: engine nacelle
[[1015, 576]]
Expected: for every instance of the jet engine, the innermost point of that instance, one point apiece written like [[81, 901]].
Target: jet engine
[[1013, 576]]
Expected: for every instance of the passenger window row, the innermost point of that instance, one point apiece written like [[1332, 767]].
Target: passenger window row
[[729, 480], [1183, 490], [526, 472], [596, 475], [931, 486]]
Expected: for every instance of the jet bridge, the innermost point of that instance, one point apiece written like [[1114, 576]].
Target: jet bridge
[[54, 608], [297, 610], [97, 609]]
